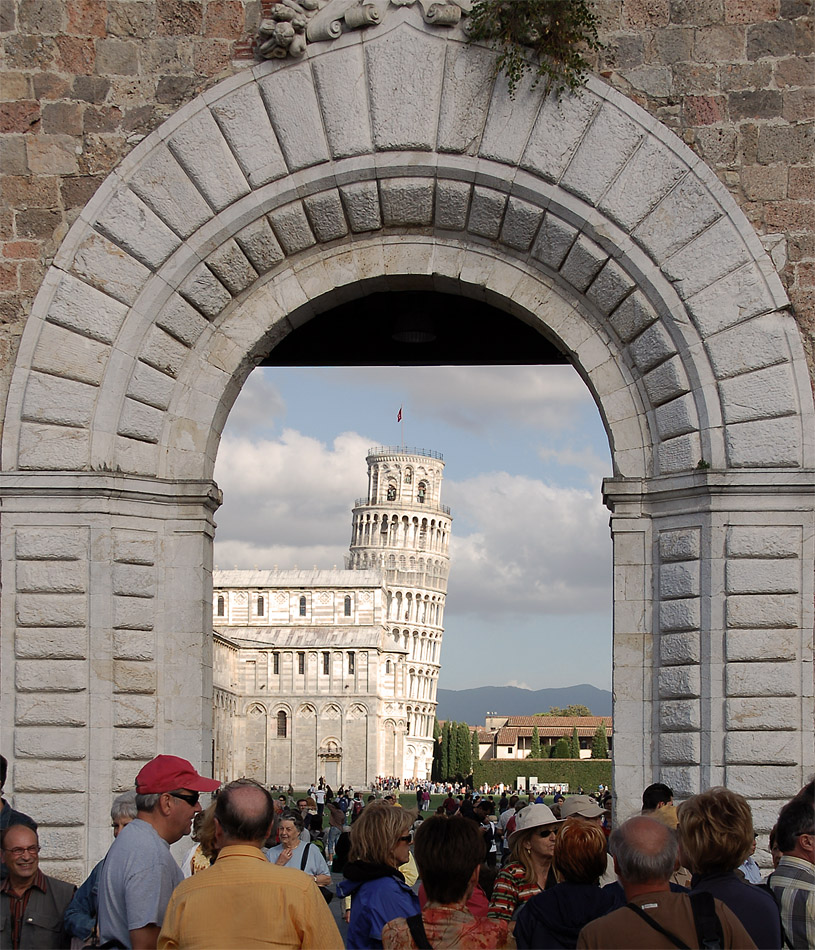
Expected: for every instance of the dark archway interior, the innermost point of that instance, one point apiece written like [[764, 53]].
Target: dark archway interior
[[414, 328]]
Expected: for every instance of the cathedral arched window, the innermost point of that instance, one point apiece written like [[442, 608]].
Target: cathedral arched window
[[326, 663], [259, 606], [387, 666], [302, 606], [276, 663], [301, 663], [282, 725], [347, 606], [221, 607], [351, 662]]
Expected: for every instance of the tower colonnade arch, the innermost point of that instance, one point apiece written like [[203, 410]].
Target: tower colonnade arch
[[294, 187]]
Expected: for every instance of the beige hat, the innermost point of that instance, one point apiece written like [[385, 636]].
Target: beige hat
[[582, 805], [533, 816]]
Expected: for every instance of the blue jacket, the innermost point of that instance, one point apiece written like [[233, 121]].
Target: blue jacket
[[80, 917], [379, 895], [554, 918], [755, 908]]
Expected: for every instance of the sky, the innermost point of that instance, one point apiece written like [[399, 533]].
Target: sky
[[529, 596]]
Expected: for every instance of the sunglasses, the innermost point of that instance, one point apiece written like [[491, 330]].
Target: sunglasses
[[191, 798], [546, 832], [407, 838]]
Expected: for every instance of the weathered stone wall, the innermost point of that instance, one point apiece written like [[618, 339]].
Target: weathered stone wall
[[85, 80]]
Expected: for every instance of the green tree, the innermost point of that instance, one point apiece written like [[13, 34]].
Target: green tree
[[575, 709], [463, 750], [445, 752], [561, 749], [535, 751], [435, 773], [475, 754], [574, 745], [599, 743]]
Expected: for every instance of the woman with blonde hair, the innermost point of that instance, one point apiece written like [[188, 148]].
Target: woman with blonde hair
[[715, 835], [530, 870], [380, 845]]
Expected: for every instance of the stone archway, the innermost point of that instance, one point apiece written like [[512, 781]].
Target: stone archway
[[392, 159]]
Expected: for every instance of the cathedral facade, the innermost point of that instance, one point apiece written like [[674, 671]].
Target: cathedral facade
[[334, 672]]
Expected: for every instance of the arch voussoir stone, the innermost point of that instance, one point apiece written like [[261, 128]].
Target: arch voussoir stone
[[395, 159]]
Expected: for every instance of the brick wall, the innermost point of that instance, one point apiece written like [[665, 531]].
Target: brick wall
[[85, 80]]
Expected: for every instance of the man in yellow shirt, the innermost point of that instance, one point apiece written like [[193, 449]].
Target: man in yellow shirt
[[243, 900]]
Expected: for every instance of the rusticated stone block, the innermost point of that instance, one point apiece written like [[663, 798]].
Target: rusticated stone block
[[583, 263], [49, 709], [756, 713], [361, 202], [763, 541], [632, 317], [68, 354], [765, 443], [128, 222], [759, 395], [610, 286], [684, 780], [680, 579], [51, 643], [521, 222], [679, 649], [50, 742], [761, 748], [765, 610], [554, 239], [406, 201], [150, 386], [134, 744], [164, 186], [291, 228], [32, 775], [51, 676], [133, 580], [680, 614], [684, 212], [131, 711], [676, 418], [133, 677], [258, 243], [51, 544], [680, 715], [141, 422], [51, 610], [205, 292], [486, 212], [61, 808], [748, 346], [679, 748], [163, 352], [681, 544], [134, 547], [53, 448], [763, 577], [102, 264], [245, 124], [133, 613], [68, 843], [761, 679], [681, 454], [679, 682], [133, 645], [125, 772], [51, 577], [762, 644], [231, 267], [325, 214], [452, 205], [763, 781], [78, 306]]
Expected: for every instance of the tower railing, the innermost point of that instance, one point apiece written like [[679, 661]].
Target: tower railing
[[405, 450], [401, 503]]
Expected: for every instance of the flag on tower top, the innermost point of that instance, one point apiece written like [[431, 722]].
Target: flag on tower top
[[399, 415]]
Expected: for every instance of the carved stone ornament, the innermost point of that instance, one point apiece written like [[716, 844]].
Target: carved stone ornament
[[292, 24]]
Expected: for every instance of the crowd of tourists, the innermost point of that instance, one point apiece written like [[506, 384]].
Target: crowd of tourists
[[478, 873]]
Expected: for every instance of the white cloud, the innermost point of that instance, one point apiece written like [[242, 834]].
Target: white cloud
[[537, 548], [517, 684], [288, 498], [596, 467], [258, 408]]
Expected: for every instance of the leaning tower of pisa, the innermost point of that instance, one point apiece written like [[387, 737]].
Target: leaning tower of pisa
[[403, 529]]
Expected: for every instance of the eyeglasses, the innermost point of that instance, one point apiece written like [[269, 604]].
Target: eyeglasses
[[191, 798], [546, 832], [407, 838], [19, 852]]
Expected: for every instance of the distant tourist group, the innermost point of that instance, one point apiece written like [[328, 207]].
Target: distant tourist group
[[475, 874]]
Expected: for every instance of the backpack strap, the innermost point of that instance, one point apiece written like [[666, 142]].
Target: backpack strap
[[417, 931], [658, 927], [304, 859], [708, 925]]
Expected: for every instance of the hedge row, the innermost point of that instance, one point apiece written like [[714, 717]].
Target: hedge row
[[586, 772]]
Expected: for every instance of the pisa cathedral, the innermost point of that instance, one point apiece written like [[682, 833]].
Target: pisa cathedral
[[333, 673]]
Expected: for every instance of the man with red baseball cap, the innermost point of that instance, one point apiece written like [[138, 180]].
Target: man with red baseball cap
[[139, 873]]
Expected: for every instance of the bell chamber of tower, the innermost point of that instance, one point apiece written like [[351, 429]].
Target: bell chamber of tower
[[403, 529]]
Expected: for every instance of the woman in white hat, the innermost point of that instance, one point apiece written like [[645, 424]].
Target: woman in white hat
[[530, 869]]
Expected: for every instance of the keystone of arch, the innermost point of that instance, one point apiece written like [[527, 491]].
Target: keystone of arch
[[585, 211]]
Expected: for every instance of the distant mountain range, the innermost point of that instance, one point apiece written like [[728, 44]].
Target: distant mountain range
[[471, 705]]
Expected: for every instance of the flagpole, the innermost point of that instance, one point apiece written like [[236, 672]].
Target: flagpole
[[402, 423]]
